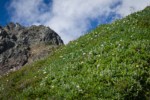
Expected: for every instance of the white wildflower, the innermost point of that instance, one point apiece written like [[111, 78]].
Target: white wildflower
[[90, 52], [82, 62], [78, 86], [84, 53], [52, 86], [60, 56], [98, 55], [95, 35], [98, 66], [46, 77], [44, 72]]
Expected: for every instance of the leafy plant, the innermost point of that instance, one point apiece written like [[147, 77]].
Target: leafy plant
[[111, 62]]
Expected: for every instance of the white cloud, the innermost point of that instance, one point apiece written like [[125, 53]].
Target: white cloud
[[129, 6], [70, 18], [28, 11]]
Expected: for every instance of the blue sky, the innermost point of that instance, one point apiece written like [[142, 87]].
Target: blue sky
[[69, 18], [4, 16]]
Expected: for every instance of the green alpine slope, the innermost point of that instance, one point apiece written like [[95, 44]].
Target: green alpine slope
[[112, 62]]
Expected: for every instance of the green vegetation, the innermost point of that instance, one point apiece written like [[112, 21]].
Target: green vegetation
[[111, 62]]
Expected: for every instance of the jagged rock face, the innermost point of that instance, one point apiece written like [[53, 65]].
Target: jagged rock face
[[21, 45]]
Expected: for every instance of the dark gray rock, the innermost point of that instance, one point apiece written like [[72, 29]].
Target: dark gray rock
[[21, 45]]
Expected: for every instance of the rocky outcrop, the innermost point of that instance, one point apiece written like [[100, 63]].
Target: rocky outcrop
[[21, 45]]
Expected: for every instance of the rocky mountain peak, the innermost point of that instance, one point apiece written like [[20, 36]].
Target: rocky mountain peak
[[20, 45]]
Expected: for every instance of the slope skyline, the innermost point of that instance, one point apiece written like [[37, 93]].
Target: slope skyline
[[69, 18]]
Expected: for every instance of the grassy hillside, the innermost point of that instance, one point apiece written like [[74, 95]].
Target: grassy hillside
[[111, 62]]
